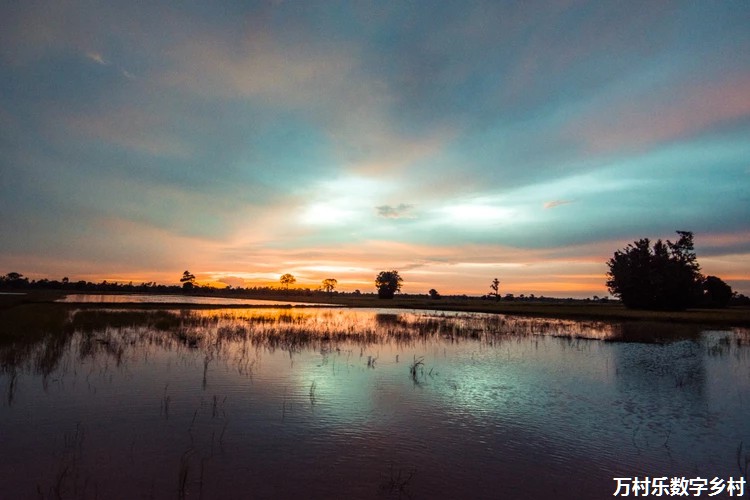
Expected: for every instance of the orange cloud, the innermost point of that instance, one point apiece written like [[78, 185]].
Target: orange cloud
[[664, 116], [97, 58], [556, 203]]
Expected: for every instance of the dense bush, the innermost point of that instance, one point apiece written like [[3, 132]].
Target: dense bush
[[665, 276]]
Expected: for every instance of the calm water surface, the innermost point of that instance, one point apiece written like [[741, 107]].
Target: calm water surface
[[332, 403], [119, 298]]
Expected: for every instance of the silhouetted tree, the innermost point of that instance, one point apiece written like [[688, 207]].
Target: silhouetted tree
[[388, 283], [716, 293], [187, 280], [666, 276], [14, 280], [434, 294], [329, 284], [495, 287], [286, 280]]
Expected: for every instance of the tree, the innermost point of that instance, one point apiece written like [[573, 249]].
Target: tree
[[388, 283], [716, 293], [329, 284], [286, 280], [495, 287], [666, 276], [434, 294], [187, 280], [14, 280]]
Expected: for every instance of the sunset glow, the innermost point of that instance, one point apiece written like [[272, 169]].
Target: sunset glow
[[454, 143]]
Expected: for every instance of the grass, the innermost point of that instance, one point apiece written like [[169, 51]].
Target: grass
[[182, 475], [398, 482], [40, 333], [416, 369], [313, 386], [165, 403]]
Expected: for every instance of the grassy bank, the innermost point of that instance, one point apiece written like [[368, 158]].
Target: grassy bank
[[739, 316]]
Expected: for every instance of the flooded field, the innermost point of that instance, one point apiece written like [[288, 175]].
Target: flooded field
[[147, 298], [338, 403]]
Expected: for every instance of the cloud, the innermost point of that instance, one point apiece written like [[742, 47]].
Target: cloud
[[136, 128], [640, 119], [259, 66], [401, 211], [232, 281], [556, 203], [97, 58]]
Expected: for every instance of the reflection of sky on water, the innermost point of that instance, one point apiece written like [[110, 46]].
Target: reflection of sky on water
[[322, 403], [169, 299]]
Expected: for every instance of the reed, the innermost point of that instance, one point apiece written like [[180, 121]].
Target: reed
[[183, 473], [397, 481], [312, 393], [416, 368]]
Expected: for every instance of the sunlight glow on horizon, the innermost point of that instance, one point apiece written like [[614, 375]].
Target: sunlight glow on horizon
[[479, 214], [327, 214]]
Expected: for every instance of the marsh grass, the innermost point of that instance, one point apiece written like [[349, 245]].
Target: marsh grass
[[165, 401], [397, 482], [217, 406], [183, 473], [417, 369], [113, 332], [66, 481], [312, 393]]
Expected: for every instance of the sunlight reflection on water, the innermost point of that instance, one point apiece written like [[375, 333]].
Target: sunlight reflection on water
[[120, 298], [364, 403]]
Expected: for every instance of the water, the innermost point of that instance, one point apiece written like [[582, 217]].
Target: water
[[143, 298], [332, 403]]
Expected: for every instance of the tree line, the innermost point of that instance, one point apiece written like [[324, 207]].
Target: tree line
[[662, 276], [665, 276]]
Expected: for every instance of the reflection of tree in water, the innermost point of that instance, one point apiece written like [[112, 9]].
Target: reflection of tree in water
[[661, 383], [676, 364], [670, 367], [655, 332]]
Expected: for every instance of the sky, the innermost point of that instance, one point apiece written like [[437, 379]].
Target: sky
[[455, 142]]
